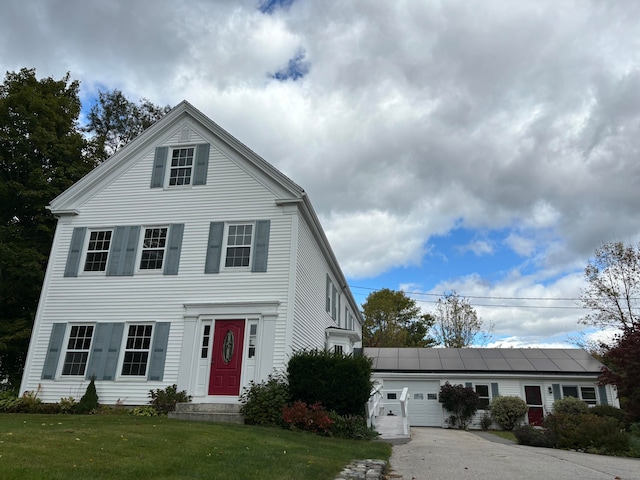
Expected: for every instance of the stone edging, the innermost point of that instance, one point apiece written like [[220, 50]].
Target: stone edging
[[364, 470]]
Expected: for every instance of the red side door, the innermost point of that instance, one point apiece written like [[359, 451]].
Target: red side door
[[533, 395], [226, 357]]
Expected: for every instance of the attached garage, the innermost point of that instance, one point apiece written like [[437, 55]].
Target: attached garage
[[424, 408], [539, 376]]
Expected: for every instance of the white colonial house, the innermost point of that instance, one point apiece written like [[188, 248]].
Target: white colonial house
[[184, 259]]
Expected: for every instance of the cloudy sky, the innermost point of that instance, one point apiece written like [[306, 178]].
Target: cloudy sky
[[486, 147]]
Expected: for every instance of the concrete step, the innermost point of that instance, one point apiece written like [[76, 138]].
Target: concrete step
[[208, 412]]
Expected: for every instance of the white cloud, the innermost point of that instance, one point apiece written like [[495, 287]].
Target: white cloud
[[415, 118]]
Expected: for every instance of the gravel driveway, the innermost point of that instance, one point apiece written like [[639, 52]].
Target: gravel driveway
[[439, 454]]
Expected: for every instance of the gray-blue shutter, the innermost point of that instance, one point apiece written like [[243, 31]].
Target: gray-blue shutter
[[103, 360], [172, 262], [201, 164], [555, 387], [53, 352], [122, 255], [494, 390], [334, 292], [75, 252], [159, 353], [328, 294], [261, 246], [468, 385], [602, 393], [214, 247], [159, 167]]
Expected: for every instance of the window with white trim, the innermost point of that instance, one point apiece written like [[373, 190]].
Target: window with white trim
[[154, 243], [136, 352], [586, 394], [181, 169], [97, 251], [238, 247], [338, 349], [78, 348], [483, 397]]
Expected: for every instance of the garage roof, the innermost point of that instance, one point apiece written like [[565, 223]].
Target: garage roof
[[504, 360]]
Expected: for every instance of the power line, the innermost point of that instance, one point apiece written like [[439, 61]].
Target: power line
[[479, 296], [556, 307]]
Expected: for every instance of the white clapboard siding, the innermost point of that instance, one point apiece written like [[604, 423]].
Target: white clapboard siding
[[310, 315], [231, 194]]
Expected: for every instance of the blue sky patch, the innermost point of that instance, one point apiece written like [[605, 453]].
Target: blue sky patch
[[296, 68], [269, 6]]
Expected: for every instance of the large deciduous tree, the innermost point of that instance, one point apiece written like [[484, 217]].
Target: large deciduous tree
[[41, 154], [392, 319], [623, 370], [114, 121], [613, 287], [457, 324]]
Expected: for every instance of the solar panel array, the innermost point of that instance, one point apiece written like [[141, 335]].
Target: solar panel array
[[529, 360]]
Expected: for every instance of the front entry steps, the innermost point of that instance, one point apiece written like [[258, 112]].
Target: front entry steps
[[208, 412]]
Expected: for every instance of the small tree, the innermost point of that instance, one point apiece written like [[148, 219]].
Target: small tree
[[508, 412], [462, 402], [89, 401], [457, 324]]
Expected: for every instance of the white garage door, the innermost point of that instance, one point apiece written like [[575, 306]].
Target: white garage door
[[424, 408]]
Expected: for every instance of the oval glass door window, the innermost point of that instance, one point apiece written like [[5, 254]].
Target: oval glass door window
[[227, 347]]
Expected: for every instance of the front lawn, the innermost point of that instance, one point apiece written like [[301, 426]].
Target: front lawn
[[126, 447]]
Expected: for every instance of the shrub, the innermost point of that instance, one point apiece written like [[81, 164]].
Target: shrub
[[311, 418], [508, 412], [89, 401], [608, 411], [164, 401], [68, 405], [462, 402], [351, 426], [570, 406], [340, 382], [144, 411], [587, 432], [486, 421], [533, 436], [262, 402], [10, 402]]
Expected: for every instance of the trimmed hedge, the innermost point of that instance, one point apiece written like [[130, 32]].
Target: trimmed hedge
[[341, 383]]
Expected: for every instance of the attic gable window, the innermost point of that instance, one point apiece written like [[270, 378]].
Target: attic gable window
[[181, 166], [153, 248]]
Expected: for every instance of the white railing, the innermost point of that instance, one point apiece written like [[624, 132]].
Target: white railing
[[404, 409], [374, 405]]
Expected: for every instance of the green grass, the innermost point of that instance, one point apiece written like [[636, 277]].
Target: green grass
[[126, 447], [504, 434]]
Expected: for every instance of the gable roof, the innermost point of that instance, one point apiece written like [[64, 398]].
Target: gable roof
[[483, 360]]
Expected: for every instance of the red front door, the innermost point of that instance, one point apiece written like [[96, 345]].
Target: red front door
[[226, 357], [533, 396]]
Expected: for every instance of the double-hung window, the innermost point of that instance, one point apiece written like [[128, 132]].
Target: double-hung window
[[136, 351], [154, 244], [586, 394], [239, 240], [483, 397], [97, 251], [78, 347], [181, 169]]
